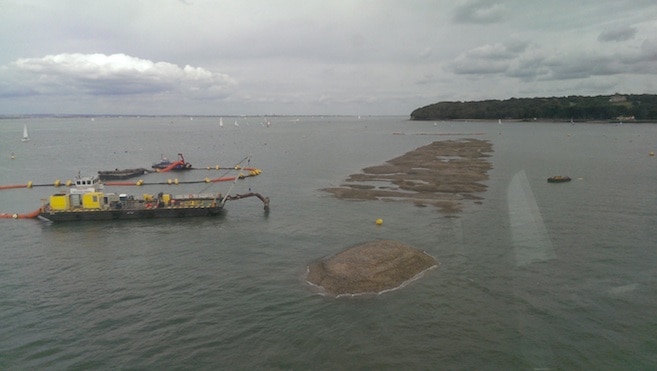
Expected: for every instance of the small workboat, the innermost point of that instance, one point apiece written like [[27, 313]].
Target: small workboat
[[558, 179], [166, 165]]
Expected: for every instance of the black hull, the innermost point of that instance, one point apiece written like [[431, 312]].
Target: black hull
[[127, 214], [558, 179], [121, 174]]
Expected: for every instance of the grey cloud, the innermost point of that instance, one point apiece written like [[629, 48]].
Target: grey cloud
[[487, 59], [649, 51], [617, 34], [479, 11], [533, 65]]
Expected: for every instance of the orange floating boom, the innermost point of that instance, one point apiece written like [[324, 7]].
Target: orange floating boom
[[13, 186], [31, 215]]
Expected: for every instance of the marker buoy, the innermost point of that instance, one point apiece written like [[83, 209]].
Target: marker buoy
[[651, 154], [379, 221]]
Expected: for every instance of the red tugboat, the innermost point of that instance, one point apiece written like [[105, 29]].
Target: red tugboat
[[165, 165]]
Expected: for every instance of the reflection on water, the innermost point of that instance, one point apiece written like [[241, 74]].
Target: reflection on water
[[531, 241]]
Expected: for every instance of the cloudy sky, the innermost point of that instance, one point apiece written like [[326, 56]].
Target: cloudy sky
[[367, 57]]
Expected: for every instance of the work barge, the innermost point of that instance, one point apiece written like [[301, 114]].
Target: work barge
[[85, 200]]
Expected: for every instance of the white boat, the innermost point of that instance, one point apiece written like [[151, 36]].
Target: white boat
[[26, 138], [221, 122]]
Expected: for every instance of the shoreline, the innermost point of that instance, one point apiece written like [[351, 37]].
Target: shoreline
[[538, 120]]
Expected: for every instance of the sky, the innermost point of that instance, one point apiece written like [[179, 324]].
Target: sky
[[311, 57]]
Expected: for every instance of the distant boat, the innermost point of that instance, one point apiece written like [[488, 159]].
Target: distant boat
[[499, 121], [236, 124], [221, 122], [558, 179], [26, 138]]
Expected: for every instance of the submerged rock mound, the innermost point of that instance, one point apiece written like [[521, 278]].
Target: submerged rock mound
[[371, 267]]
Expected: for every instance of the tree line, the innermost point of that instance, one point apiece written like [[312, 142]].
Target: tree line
[[639, 107]]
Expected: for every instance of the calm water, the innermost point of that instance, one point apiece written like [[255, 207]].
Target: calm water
[[549, 276]]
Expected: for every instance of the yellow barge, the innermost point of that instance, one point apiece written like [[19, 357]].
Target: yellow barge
[[85, 200]]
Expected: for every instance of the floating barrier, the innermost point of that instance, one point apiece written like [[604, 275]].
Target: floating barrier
[[31, 215], [57, 183]]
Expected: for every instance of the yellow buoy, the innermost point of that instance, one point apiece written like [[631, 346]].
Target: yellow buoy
[[29, 184], [15, 216], [57, 183], [652, 153], [379, 221]]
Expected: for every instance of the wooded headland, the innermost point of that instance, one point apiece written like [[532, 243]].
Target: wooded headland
[[617, 107]]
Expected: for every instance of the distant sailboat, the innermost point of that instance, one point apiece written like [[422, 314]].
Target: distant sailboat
[[26, 138], [221, 122], [236, 124], [499, 121]]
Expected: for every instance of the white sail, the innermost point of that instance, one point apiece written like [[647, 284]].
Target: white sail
[[26, 138], [221, 122]]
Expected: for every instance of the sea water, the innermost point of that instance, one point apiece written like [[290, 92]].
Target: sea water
[[536, 276]]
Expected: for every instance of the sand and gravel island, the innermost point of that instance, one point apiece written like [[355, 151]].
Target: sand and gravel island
[[369, 268], [443, 174]]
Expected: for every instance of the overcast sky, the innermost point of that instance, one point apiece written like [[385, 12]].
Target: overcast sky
[[360, 57]]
